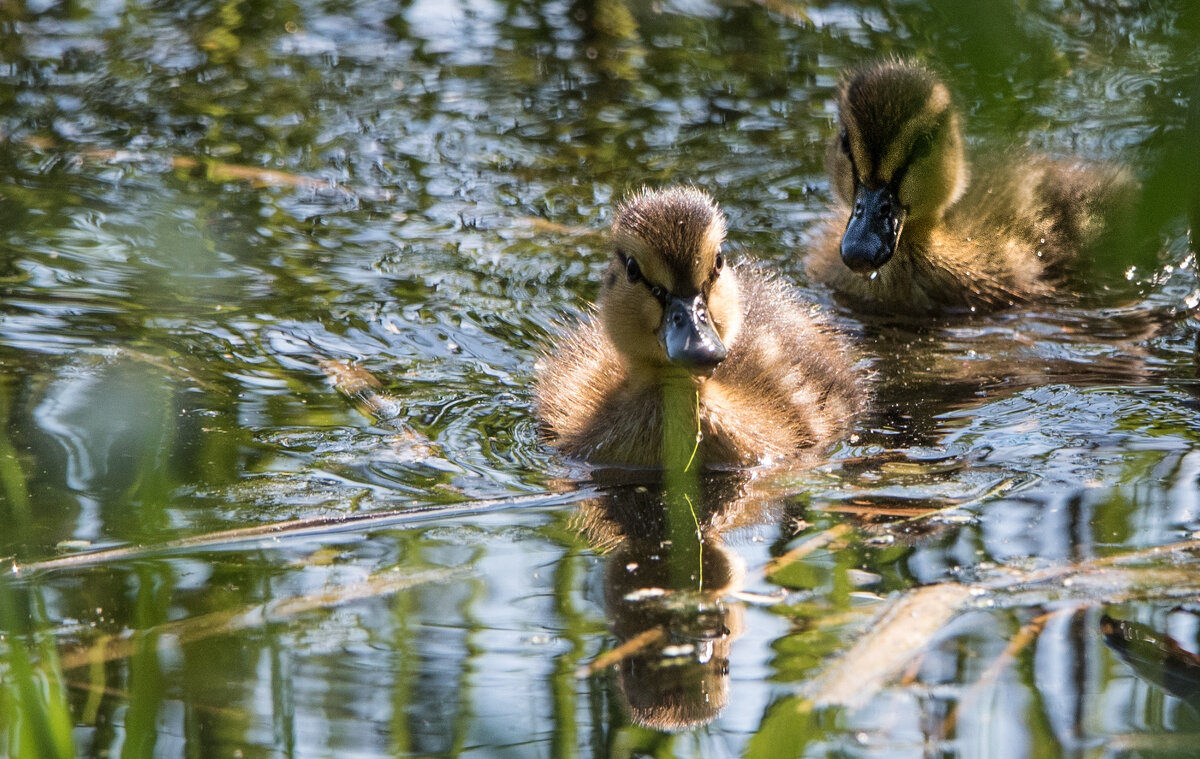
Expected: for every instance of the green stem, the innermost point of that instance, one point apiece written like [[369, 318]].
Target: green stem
[[681, 481]]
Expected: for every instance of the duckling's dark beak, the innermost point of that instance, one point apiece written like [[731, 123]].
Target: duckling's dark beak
[[873, 230], [688, 336]]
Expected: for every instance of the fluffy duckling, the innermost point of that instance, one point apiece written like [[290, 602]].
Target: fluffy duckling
[[770, 380], [910, 235]]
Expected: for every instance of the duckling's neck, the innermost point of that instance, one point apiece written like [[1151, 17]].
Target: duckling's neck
[[669, 376], [917, 232]]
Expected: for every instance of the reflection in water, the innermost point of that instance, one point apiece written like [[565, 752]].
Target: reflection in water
[[968, 363], [669, 597]]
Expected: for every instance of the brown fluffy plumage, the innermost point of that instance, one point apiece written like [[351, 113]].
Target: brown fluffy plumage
[[785, 386], [1005, 237]]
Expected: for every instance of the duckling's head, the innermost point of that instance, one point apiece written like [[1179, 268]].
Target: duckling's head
[[898, 160], [669, 301]]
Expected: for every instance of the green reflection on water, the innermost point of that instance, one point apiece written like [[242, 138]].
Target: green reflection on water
[[37, 722]]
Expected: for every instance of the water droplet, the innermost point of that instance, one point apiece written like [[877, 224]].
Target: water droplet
[[874, 275]]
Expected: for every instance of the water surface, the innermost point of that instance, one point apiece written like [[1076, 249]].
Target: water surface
[[202, 202]]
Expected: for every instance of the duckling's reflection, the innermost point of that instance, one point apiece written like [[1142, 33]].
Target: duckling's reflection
[[666, 578]]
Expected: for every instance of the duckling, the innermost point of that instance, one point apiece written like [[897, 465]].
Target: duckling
[[771, 381], [912, 235]]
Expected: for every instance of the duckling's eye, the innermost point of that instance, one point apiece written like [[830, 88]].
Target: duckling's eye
[[720, 264], [632, 270], [659, 293], [845, 142]]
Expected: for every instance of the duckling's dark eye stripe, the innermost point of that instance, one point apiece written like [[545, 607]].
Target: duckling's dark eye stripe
[[660, 293], [922, 146], [845, 139]]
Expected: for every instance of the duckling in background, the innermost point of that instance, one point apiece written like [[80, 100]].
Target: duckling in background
[[911, 235], [770, 380]]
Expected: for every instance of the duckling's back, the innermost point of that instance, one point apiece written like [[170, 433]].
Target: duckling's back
[[1056, 209]]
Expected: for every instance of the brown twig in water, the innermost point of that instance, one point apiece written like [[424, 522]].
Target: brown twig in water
[[644, 639], [216, 171], [862, 510], [553, 227], [1025, 636], [363, 389], [820, 540]]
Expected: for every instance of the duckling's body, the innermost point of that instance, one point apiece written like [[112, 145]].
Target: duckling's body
[[779, 384], [910, 235]]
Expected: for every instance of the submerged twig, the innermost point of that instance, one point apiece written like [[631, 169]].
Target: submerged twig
[[217, 171], [642, 640], [900, 632], [295, 528], [820, 540], [363, 389], [554, 227], [1019, 642], [1003, 487], [192, 629]]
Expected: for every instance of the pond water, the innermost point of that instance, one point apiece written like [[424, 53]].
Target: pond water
[[210, 552]]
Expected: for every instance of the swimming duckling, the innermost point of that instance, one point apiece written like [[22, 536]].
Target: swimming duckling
[[769, 379], [911, 235]]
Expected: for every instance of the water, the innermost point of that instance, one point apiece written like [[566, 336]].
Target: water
[[443, 171]]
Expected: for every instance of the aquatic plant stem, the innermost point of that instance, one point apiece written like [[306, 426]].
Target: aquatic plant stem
[[699, 436], [681, 482]]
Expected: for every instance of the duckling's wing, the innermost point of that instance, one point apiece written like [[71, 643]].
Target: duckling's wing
[[574, 380], [793, 360]]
